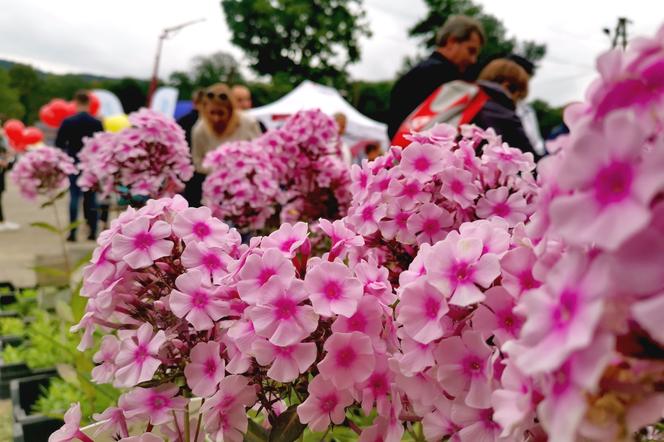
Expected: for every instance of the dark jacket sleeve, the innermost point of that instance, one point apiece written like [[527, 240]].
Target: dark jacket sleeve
[[506, 124], [62, 137]]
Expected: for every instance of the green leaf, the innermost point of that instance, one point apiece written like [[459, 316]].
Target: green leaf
[[49, 271], [46, 226], [64, 311], [55, 198], [287, 427], [72, 226], [255, 433], [78, 302]]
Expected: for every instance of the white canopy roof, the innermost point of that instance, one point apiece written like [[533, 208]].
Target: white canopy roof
[[309, 95]]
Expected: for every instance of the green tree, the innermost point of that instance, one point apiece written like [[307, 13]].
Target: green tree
[[10, 103], [25, 80], [372, 98], [207, 70], [497, 42], [300, 39], [547, 116]]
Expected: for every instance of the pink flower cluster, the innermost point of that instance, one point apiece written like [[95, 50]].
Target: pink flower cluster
[[508, 310], [44, 171], [417, 195], [151, 158], [242, 187], [295, 171]]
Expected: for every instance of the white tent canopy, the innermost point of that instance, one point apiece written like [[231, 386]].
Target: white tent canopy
[[309, 95]]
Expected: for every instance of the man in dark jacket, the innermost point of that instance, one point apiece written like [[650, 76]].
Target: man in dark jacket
[[458, 44], [70, 139]]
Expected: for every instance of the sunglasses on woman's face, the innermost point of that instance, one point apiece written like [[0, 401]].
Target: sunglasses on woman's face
[[220, 96]]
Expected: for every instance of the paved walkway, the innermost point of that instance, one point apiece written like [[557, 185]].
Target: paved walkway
[[19, 249]]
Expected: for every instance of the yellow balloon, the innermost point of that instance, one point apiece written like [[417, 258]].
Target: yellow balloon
[[116, 123]]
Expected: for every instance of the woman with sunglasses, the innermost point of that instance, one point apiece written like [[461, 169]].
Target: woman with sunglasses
[[220, 121]]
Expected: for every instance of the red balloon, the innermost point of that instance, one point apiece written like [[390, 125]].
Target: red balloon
[[70, 109], [59, 108], [95, 104], [47, 116], [14, 131], [20, 147], [32, 135]]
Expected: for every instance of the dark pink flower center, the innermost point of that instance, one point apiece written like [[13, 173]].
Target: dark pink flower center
[[422, 164], [287, 244], [210, 367], [328, 403], [401, 219], [364, 180], [143, 241], [346, 356], [158, 402], [211, 261], [199, 299], [378, 384], [201, 229], [456, 186], [265, 274], [431, 307], [141, 354], [614, 183], [566, 308], [527, 281], [284, 351], [410, 189], [368, 213], [501, 209], [462, 272], [473, 365], [357, 322], [284, 308], [430, 226], [332, 290]]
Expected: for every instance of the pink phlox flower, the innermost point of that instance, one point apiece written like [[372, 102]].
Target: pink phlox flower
[[196, 300], [367, 216], [422, 389], [325, 403], [499, 203], [442, 134], [457, 267], [153, 404], [465, 368], [101, 267], [286, 362], [438, 423], [105, 357], [213, 262], [416, 357], [429, 223], [138, 360], [375, 390], [387, 427], [205, 369], [561, 316], [493, 233], [496, 316], [375, 281], [417, 268], [360, 176], [342, 237], [224, 414], [517, 271], [422, 161], [287, 239], [476, 424], [140, 244], [395, 224], [258, 270], [513, 403], [281, 317], [333, 289], [565, 390], [612, 179], [508, 160], [88, 324], [459, 186], [71, 428], [197, 224], [367, 319], [111, 421], [239, 359], [174, 430], [408, 193], [349, 360], [421, 310]]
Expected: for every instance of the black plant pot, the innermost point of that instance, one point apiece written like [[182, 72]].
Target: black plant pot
[[7, 299], [26, 391], [8, 372], [12, 340], [36, 428]]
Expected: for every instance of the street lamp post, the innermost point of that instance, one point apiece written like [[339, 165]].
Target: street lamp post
[[166, 33]]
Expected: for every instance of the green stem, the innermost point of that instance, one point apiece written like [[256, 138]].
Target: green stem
[[63, 244]]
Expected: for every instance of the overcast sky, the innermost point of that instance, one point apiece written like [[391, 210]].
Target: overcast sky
[[119, 37]]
